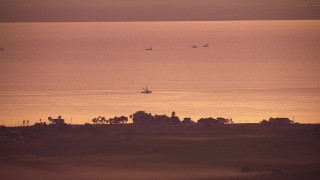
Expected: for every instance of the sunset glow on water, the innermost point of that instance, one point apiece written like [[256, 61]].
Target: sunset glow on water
[[252, 70]]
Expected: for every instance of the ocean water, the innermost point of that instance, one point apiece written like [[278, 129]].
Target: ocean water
[[252, 70]]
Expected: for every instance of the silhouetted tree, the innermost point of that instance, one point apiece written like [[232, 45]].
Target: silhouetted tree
[[24, 122], [187, 121], [111, 120], [50, 119], [123, 119], [161, 119], [141, 117], [223, 120], [277, 121], [118, 120], [94, 120], [174, 120], [209, 121], [212, 121], [280, 121], [100, 121], [264, 122], [104, 120]]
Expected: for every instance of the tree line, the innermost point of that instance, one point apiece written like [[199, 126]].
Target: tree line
[[144, 118]]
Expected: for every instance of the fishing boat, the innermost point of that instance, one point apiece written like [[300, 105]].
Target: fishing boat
[[206, 45], [146, 90]]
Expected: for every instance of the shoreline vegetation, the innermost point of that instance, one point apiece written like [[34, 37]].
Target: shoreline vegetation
[[144, 118], [161, 147]]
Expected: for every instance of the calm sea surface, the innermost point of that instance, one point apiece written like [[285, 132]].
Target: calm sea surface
[[251, 70]]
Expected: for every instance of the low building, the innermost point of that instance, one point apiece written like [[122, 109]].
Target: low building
[[277, 121], [57, 121]]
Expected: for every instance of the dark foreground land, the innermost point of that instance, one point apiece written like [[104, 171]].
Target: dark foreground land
[[247, 151]]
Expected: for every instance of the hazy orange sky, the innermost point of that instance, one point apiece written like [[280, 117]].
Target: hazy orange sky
[[156, 10]]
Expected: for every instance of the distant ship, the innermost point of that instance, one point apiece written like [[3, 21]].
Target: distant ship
[[146, 90], [194, 46], [149, 49], [206, 45], [1, 49]]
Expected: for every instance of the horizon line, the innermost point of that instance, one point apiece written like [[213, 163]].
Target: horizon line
[[136, 21]]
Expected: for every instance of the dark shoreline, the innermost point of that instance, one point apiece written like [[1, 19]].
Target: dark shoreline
[[128, 151]]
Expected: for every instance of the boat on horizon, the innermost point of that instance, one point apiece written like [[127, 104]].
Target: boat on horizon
[[146, 90], [206, 45]]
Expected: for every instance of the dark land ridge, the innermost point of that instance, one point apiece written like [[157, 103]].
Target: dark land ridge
[[205, 150]]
